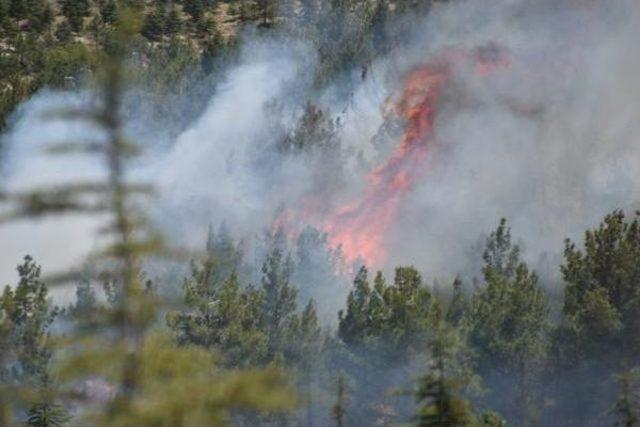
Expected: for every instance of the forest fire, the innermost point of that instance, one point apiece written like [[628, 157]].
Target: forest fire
[[360, 227]]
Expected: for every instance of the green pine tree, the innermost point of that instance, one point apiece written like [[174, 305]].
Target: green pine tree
[[507, 323], [458, 305], [339, 409], [279, 298], [626, 409], [64, 32], [153, 26], [109, 12], [173, 24], [195, 8], [47, 415], [27, 315], [17, 9], [441, 392]]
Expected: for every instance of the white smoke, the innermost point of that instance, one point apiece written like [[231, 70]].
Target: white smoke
[[549, 142]]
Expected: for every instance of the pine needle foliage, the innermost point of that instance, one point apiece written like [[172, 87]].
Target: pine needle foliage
[[150, 380], [442, 390]]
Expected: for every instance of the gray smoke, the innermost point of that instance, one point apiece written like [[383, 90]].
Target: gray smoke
[[549, 142]]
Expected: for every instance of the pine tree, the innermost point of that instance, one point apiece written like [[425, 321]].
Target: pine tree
[[383, 328], [109, 12], [153, 26], [626, 407], [458, 305], [267, 11], [17, 9], [210, 52], [26, 317], [47, 415], [45, 17], [601, 309], [3, 12], [195, 8], [441, 390], [304, 351], [508, 322], [279, 297], [602, 296], [30, 315], [222, 316], [64, 32], [354, 321], [222, 250], [173, 25], [75, 11], [339, 408], [86, 310]]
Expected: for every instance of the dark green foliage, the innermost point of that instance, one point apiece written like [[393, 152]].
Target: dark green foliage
[[173, 24], [64, 32], [3, 12], [508, 320], [600, 326], [278, 298], [86, 310], [458, 305], [28, 316], [144, 368], [602, 296], [384, 328], [508, 324], [627, 406], [222, 315], [205, 27], [247, 10], [501, 327], [396, 317], [211, 50], [221, 248], [44, 17], [492, 419], [441, 390], [154, 26], [266, 12], [47, 415], [195, 8], [109, 12], [17, 9], [39, 14], [305, 340], [75, 11], [25, 319]]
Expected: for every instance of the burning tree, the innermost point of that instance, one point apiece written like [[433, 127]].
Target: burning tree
[[360, 227]]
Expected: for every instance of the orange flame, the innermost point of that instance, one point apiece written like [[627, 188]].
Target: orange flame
[[360, 227]]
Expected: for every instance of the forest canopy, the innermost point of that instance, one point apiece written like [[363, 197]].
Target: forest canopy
[[305, 148]]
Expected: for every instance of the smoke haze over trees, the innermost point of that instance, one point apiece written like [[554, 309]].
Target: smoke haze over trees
[[312, 213]]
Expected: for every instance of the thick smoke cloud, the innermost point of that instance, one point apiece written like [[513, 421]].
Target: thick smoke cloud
[[549, 142]]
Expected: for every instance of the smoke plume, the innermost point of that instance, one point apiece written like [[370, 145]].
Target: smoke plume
[[547, 140]]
